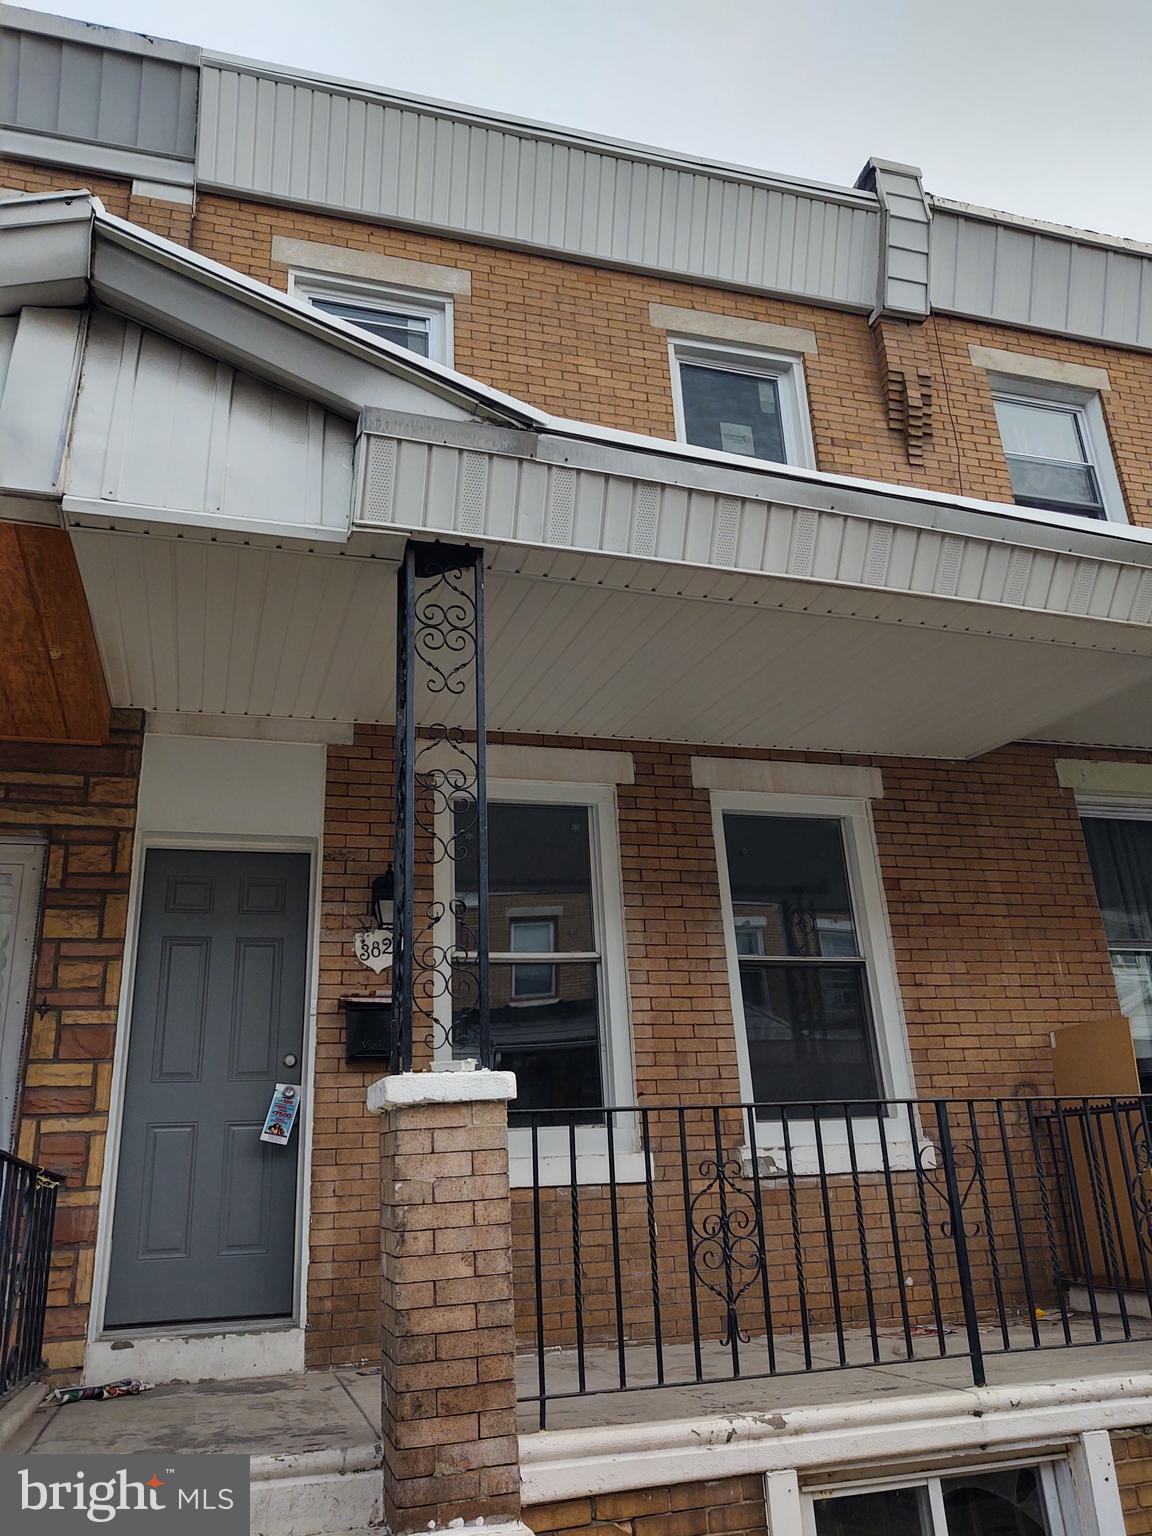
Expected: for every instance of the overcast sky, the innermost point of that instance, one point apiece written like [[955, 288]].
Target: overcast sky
[[1042, 107]]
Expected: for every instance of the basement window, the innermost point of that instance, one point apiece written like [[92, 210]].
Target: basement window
[[409, 318], [741, 400], [1056, 447], [1028, 1500]]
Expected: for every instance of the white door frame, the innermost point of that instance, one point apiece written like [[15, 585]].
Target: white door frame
[[201, 1351], [16, 995]]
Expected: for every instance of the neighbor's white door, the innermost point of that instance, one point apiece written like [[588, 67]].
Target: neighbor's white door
[[21, 867]]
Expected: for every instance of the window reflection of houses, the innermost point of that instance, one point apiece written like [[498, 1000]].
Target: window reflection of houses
[[803, 975], [545, 966]]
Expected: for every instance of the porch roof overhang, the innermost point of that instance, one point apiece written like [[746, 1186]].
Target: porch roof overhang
[[605, 646]]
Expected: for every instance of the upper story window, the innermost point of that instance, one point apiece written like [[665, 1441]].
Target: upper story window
[[419, 321], [1057, 450], [741, 400]]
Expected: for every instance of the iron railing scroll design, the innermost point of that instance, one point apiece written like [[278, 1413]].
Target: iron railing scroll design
[[440, 993], [725, 1235], [1140, 1182], [27, 1214]]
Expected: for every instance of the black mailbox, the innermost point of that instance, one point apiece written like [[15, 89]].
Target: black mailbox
[[369, 1035]]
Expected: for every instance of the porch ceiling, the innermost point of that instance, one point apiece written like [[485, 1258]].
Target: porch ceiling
[[207, 626]]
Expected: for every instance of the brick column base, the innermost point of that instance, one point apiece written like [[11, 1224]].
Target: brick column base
[[449, 1350]]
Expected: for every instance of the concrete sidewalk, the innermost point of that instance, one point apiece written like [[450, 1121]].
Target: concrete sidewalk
[[314, 1441]]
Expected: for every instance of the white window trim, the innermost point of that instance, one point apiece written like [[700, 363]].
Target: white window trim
[[436, 308], [555, 1166], [1085, 403], [1136, 807], [870, 912], [786, 368], [1056, 1481]]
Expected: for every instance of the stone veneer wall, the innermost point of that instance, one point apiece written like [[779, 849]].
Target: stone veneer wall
[[82, 802]]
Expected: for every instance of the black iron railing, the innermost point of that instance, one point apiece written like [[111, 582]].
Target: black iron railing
[[700, 1244], [27, 1213]]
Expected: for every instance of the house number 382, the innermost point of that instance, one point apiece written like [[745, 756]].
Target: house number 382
[[374, 949]]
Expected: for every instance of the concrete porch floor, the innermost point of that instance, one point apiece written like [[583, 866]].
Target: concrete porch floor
[[826, 1383], [330, 1420]]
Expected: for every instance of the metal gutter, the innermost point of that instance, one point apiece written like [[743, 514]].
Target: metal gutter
[[301, 316]]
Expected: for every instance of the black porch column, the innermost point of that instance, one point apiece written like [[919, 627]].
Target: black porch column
[[440, 933]]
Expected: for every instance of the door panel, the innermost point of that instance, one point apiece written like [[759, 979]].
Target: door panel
[[21, 868], [205, 1223], [165, 1225]]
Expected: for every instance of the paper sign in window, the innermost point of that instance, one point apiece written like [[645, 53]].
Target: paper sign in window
[[736, 437]]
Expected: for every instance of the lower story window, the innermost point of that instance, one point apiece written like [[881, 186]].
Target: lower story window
[[804, 970], [1120, 851], [1002, 1501], [555, 952]]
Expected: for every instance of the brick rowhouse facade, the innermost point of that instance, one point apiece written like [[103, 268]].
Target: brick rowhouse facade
[[989, 896], [425, 1254]]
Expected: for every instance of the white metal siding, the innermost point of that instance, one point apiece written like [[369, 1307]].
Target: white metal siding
[[215, 628], [1026, 277], [305, 143], [218, 628], [160, 425], [419, 485], [90, 93]]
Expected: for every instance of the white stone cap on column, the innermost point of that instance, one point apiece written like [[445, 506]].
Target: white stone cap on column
[[440, 1088], [478, 1528]]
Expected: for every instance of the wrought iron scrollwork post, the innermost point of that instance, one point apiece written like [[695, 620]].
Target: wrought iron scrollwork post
[[440, 938], [726, 1237]]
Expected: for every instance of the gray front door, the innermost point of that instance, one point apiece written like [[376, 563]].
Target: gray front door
[[205, 1223]]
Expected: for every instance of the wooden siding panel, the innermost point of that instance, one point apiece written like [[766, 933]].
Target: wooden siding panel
[[51, 683]]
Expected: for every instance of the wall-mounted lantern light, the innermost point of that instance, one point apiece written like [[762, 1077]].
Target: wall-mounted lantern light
[[383, 898]]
